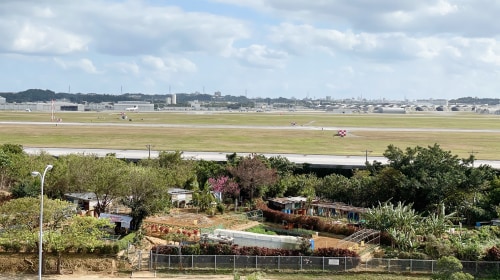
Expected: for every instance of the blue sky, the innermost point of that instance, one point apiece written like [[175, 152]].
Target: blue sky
[[260, 48]]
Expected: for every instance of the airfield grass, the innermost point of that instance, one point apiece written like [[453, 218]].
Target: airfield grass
[[449, 120], [122, 134]]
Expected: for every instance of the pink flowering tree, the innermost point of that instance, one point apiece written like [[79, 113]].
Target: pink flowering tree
[[224, 186]]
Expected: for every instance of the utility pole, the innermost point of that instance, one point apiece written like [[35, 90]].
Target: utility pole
[[472, 156], [366, 155], [149, 146]]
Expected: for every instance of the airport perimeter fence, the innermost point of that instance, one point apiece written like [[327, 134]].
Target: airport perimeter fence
[[308, 263]]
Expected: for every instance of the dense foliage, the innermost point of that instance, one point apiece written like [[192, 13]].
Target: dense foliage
[[413, 200]]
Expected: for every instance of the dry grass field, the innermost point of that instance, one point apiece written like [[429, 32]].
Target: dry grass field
[[459, 133]]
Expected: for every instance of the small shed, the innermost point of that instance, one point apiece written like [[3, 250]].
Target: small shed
[[338, 209], [290, 205], [122, 222], [180, 197], [83, 201]]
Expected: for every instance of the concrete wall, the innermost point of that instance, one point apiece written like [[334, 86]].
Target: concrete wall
[[243, 238]]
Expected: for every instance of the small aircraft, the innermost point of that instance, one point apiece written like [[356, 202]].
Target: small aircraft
[[132, 109]]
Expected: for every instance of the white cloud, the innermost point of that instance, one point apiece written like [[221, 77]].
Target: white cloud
[[126, 67], [33, 39], [168, 64], [261, 57], [83, 64], [320, 47]]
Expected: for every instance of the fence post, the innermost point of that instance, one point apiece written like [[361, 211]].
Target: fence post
[[323, 263], [139, 254], [192, 261], [234, 263], [215, 262], [150, 260], [345, 264], [389, 265], [156, 258], [279, 262], [256, 258], [432, 267], [411, 265], [300, 262]]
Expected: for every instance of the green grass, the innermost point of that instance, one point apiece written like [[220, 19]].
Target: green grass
[[124, 134], [261, 230]]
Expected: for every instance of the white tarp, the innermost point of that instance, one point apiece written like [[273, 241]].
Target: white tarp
[[124, 220]]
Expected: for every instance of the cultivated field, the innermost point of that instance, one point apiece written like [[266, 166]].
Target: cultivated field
[[265, 132]]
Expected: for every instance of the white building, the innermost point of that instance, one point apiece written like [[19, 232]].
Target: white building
[[134, 106]]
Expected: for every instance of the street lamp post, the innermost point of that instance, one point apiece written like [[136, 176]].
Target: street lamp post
[[40, 242]]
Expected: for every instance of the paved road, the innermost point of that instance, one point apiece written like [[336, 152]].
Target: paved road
[[325, 160], [296, 127]]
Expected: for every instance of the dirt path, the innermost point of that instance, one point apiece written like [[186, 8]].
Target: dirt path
[[135, 275]]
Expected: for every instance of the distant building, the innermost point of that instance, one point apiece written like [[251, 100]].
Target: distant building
[[432, 102], [55, 106], [134, 106]]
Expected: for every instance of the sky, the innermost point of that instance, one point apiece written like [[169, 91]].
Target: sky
[[342, 49]]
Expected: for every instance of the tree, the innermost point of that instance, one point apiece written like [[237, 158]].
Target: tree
[[178, 171], [400, 221], [5, 161], [224, 185], [19, 220], [147, 193], [88, 173], [12, 148], [208, 169], [16, 165], [279, 188], [431, 176], [63, 230], [78, 233], [253, 175], [105, 181], [336, 188], [282, 165]]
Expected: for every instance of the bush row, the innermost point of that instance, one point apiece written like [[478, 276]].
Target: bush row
[[224, 249], [307, 222]]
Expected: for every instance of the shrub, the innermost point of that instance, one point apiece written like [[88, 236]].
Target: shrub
[[221, 208], [224, 249], [468, 251], [413, 255], [450, 268], [256, 276], [107, 249], [437, 248], [126, 240], [334, 252]]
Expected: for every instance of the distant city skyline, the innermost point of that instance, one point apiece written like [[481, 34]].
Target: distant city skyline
[[381, 49]]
